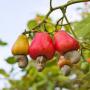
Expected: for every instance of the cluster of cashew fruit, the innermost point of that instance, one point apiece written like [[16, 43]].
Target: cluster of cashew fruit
[[43, 47]]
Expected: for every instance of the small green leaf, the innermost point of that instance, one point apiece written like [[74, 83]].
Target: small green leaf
[[2, 43], [31, 24], [3, 73], [59, 27], [11, 60]]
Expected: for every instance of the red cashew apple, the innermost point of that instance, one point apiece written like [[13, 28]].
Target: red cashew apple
[[65, 42], [41, 46]]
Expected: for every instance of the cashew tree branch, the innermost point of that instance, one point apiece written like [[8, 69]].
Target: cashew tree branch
[[53, 9]]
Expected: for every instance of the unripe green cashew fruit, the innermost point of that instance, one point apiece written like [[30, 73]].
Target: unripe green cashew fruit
[[21, 46], [74, 56], [22, 60], [85, 67], [41, 49], [66, 70], [65, 42]]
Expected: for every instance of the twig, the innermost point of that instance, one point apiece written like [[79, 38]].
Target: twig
[[68, 23], [62, 21], [63, 24], [69, 3], [33, 29], [51, 5], [28, 32], [53, 9], [57, 23], [82, 55], [86, 48]]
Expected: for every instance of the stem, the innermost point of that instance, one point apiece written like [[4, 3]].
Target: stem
[[82, 54], [51, 5], [70, 3], [63, 24], [86, 48], [28, 32], [58, 22], [62, 21], [68, 23]]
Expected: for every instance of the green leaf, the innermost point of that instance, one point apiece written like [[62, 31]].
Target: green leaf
[[51, 63], [50, 86], [2, 43], [50, 27], [39, 18], [82, 30], [87, 76], [31, 24], [11, 60], [67, 28], [3, 73], [83, 27]]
